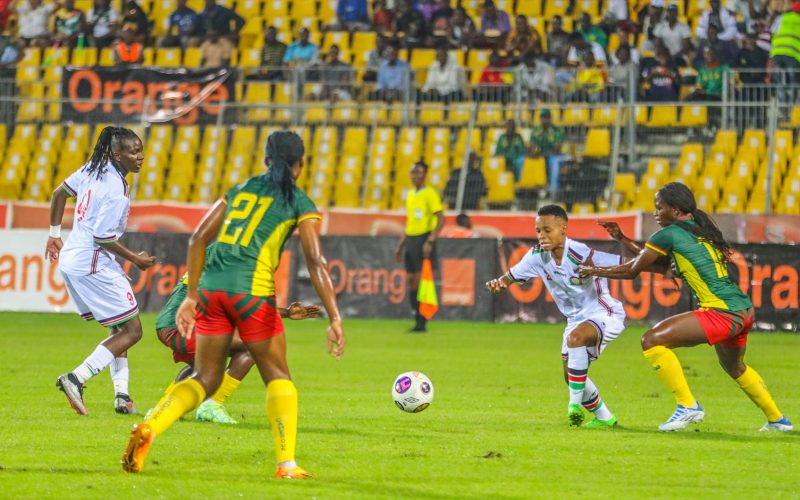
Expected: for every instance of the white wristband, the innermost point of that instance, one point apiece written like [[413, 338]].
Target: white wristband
[[55, 231]]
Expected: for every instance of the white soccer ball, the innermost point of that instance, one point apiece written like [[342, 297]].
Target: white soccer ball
[[412, 392]]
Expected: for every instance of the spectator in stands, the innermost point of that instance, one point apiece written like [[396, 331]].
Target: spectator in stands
[[546, 141], [495, 26], [33, 18], [753, 59], [590, 32], [128, 49], [445, 81], [461, 30], [406, 16], [722, 17], [5, 13], [578, 46], [335, 76], [523, 39], [590, 81], [216, 51], [710, 78], [441, 18], [301, 52], [494, 83], [351, 15], [557, 42], [427, 8], [133, 14], [70, 23], [272, 56], [511, 146], [623, 68], [649, 17], [415, 37], [374, 59], [463, 228], [677, 36], [751, 11], [184, 24], [725, 50], [661, 80], [393, 77], [219, 20], [785, 54], [474, 185], [102, 20], [617, 10], [11, 52], [537, 77], [382, 17], [626, 39]]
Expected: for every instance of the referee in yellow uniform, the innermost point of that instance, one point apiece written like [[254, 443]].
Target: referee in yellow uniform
[[424, 221]]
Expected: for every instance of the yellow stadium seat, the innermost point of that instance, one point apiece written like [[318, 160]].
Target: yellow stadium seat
[[641, 114], [168, 57], [192, 57], [461, 144], [575, 116], [339, 38], [528, 9], [327, 10], [591, 7], [32, 109], [249, 8], [375, 114], [354, 141], [315, 113], [534, 174], [274, 8], [106, 57], [283, 95], [56, 56], [658, 167], [755, 140], [84, 57], [302, 10], [693, 116], [555, 8], [663, 116], [692, 153], [783, 142], [604, 116], [625, 185], [598, 143], [31, 56], [258, 97], [431, 114], [345, 113], [725, 141], [491, 114], [501, 190], [477, 59]]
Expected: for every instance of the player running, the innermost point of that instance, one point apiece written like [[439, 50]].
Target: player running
[[699, 254], [183, 350], [237, 291], [594, 318], [95, 281]]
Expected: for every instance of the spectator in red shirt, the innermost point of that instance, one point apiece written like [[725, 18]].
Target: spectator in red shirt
[[492, 85], [382, 17]]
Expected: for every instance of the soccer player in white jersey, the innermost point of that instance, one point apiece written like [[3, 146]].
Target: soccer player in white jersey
[[94, 279], [594, 318]]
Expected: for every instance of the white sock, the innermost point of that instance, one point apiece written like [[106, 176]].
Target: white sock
[[208, 401], [94, 364], [577, 369], [120, 374], [289, 464], [594, 403]]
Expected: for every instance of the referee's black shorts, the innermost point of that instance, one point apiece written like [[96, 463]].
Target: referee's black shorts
[[413, 254]]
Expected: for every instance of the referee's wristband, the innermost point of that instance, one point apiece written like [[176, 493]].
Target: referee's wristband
[[55, 231]]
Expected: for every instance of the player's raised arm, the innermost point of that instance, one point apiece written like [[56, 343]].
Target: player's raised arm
[[645, 261], [323, 284], [616, 233], [57, 204], [205, 233]]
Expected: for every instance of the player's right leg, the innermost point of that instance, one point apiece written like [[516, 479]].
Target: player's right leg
[[682, 330], [582, 391], [213, 409]]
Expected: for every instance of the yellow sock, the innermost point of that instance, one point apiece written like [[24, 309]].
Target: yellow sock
[[753, 385], [669, 370], [226, 388], [282, 414], [184, 397]]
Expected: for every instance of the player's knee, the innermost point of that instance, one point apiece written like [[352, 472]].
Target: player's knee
[[734, 370], [209, 380], [132, 331], [577, 339], [649, 340]]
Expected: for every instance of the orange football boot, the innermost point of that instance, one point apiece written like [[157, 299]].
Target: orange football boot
[[293, 473], [138, 446]]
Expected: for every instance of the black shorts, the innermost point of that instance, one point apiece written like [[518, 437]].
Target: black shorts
[[413, 253]]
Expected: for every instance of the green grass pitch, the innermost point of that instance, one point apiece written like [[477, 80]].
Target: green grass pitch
[[497, 428]]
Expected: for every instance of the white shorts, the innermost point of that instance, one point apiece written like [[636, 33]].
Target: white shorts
[[105, 296], [608, 328]]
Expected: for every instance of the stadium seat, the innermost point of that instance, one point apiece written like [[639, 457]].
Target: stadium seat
[[338, 38], [461, 144], [354, 142], [431, 114], [301, 10], [663, 116], [591, 7], [375, 114], [598, 143], [528, 9], [756, 141], [257, 97], [345, 113], [106, 57], [534, 174], [86, 56], [249, 8], [501, 190], [625, 186], [725, 141], [555, 8], [693, 116], [604, 116], [283, 95], [315, 113], [783, 142], [274, 8], [658, 168], [458, 114], [491, 114], [575, 116]]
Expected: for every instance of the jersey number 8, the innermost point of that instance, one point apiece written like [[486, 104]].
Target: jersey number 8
[[243, 210]]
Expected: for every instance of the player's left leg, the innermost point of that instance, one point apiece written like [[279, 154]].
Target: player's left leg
[[582, 391], [731, 357], [213, 409]]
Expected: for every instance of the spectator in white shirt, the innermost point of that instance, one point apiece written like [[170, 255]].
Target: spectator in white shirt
[[445, 81], [33, 22], [722, 16], [677, 36], [579, 45], [103, 20]]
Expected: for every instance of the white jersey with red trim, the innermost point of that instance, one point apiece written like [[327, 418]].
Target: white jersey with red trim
[[101, 216], [579, 299]]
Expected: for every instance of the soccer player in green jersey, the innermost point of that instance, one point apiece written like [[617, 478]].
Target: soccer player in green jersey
[[237, 292], [183, 350], [698, 254]]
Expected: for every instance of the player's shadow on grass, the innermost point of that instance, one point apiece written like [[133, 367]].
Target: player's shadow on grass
[[701, 433]]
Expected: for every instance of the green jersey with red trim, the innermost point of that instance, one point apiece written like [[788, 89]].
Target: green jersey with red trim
[[701, 265], [166, 317], [258, 222]]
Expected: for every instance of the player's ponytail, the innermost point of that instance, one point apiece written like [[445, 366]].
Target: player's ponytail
[[108, 141], [284, 149], [680, 197]]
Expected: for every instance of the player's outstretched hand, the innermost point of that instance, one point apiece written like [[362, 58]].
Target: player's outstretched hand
[[613, 229], [585, 271], [185, 318], [497, 285], [53, 249], [299, 311], [144, 260], [336, 339]]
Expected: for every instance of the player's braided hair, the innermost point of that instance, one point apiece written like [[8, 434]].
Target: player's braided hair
[[284, 149], [109, 140], [681, 198]]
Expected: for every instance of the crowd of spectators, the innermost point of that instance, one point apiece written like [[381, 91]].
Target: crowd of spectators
[[655, 49]]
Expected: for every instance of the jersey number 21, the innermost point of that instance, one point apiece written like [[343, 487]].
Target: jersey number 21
[[247, 210]]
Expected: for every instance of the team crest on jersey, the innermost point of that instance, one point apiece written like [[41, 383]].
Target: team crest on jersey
[[576, 281]]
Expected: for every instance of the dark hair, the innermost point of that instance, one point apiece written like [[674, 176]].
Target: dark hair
[[109, 140], [554, 210], [421, 163], [284, 149], [681, 198], [463, 220]]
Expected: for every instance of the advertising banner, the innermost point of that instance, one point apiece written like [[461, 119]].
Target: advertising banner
[[117, 93]]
